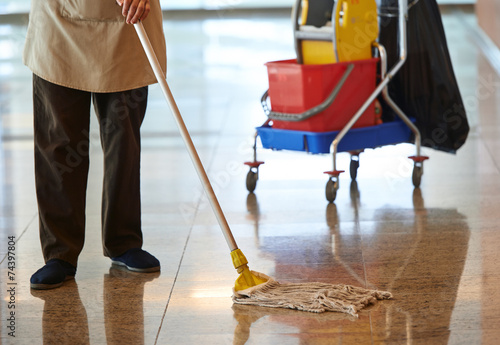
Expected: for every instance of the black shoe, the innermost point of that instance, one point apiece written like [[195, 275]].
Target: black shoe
[[52, 275], [137, 260]]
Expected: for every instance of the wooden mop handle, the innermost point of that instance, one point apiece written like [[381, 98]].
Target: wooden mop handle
[[160, 76]]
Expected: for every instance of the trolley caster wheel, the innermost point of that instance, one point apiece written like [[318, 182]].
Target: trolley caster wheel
[[353, 168], [416, 177], [331, 189], [253, 175], [252, 178], [418, 169]]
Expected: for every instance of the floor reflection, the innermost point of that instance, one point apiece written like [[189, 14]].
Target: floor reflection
[[123, 305], [301, 325], [64, 316], [422, 259], [318, 253], [417, 253], [65, 319]]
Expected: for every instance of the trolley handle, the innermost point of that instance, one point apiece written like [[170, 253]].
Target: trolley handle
[[273, 115]]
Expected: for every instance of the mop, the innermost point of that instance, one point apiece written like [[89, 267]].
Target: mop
[[254, 288]]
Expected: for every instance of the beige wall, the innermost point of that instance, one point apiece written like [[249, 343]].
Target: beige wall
[[488, 14]]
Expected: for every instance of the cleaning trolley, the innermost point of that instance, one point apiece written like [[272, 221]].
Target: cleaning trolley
[[326, 100]]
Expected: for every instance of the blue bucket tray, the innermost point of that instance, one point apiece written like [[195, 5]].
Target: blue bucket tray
[[388, 133]]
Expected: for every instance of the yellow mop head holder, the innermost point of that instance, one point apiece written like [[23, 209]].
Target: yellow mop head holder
[[246, 279]]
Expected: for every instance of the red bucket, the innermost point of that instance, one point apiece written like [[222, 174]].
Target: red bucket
[[295, 88]]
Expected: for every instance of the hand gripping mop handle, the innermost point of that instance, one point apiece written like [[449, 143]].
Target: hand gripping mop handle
[[239, 260]]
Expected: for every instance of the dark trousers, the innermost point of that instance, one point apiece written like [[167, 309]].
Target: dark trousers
[[61, 130]]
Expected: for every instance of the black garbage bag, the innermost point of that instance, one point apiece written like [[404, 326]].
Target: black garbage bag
[[425, 88]]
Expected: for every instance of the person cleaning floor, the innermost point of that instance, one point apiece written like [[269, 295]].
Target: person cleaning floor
[[83, 52]]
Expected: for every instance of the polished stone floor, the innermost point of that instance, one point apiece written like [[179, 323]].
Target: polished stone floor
[[435, 248]]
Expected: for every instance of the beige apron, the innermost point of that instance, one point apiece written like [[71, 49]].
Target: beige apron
[[86, 45]]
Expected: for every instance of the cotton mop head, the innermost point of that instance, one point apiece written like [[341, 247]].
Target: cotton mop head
[[311, 297]]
